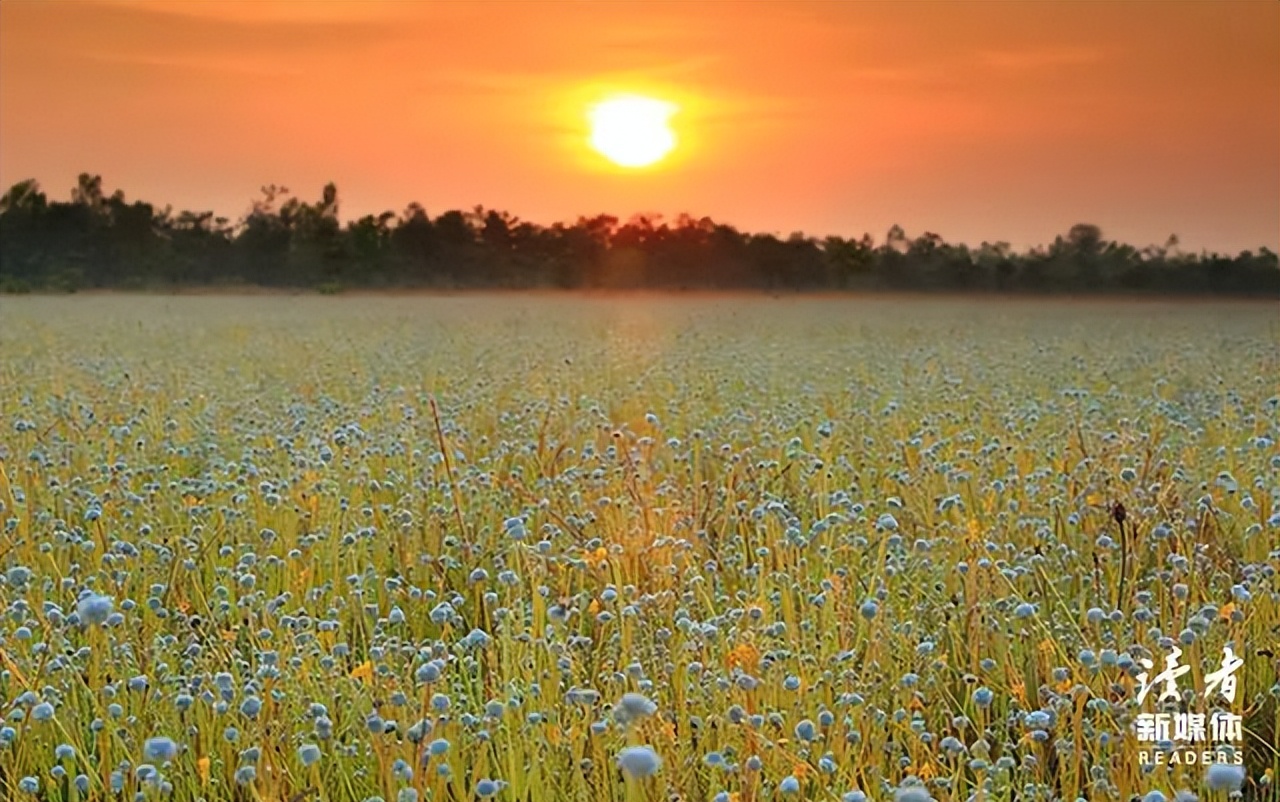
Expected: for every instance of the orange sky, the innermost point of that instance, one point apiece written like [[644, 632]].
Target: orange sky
[[987, 120]]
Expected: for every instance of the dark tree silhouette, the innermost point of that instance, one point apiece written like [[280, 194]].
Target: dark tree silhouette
[[102, 240]]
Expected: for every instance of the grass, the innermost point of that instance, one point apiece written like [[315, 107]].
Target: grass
[[814, 533]]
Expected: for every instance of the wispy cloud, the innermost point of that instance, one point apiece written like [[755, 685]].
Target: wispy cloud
[[1040, 58], [260, 68]]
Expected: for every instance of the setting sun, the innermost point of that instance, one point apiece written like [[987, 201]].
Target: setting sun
[[631, 130]]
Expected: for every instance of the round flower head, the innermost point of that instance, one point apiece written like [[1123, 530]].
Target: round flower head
[[639, 761], [159, 749], [789, 785], [94, 609], [912, 793], [1224, 777], [438, 747], [486, 788], [636, 706], [427, 672], [805, 730], [309, 754]]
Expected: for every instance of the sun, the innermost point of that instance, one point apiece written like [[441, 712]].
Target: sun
[[632, 130]]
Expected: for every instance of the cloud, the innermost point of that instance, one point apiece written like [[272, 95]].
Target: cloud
[[271, 12], [242, 66], [1040, 58]]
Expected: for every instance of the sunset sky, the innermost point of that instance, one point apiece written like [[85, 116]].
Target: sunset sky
[[978, 121]]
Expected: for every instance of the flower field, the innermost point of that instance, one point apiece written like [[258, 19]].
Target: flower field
[[607, 549]]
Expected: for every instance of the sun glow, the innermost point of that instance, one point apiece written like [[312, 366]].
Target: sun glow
[[632, 130]]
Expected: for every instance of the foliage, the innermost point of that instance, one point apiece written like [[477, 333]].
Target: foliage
[[96, 240]]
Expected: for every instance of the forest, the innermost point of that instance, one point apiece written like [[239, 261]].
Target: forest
[[100, 240]]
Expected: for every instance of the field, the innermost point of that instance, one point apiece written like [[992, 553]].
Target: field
[[595, 549]]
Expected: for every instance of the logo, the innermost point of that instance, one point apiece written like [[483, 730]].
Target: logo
[[1187, 737]]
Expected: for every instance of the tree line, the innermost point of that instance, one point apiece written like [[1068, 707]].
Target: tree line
[[100, 240]]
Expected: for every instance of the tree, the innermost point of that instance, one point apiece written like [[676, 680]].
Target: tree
[[103, 239]]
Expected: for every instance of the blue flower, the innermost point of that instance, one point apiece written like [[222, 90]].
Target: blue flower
[[309, 754], [251, 707], [514, 527], [438, 747], [912, 793], [1224, 777], [29, 785], [427, 672], [94, 609], [636, 706], [486, 788], [789, 785], [982, 697], [245, 775], [418, 731], [805, 730], [639, 761], [869, 609], [64, 752], [1037, 720], [42, 712], [159, 749]]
